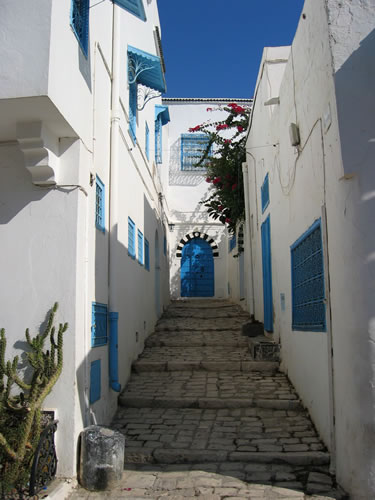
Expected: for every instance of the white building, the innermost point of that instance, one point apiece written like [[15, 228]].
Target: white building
[[310, 184], [82, 219]]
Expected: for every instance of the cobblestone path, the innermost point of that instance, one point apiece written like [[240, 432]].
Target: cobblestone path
[[203, 419]]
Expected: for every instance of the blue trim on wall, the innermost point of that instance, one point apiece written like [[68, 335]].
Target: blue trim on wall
[[147, 255], [95, 381], [308, 281], [133, 111], [135, 7], [131, 238], [113, 351], [79, 21], [265, 193], [140, 247], [232, 243], [158, 140], [99, 316], [267, 275]]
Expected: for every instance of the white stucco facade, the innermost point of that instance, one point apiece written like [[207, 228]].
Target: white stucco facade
[[322, 83], [64, 122]]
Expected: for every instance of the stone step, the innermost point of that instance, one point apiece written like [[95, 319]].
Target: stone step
[[201, 304], [152, 365], [197, 339], [200, 313], [203, 389], [200, 324]]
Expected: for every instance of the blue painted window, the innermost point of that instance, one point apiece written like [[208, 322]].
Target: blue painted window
[[265, 193], [308, 291], [133, 110], [193, 147], [99, 205], [131, 238], [165, 245], [232, 243], [95, 382], [147, 255], [158, 140], [79, 21], [140, 247], [133, 6], [147, 140], [99, 335]]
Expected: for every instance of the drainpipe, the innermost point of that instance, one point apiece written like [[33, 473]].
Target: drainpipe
[[245, 173], [113, 202]]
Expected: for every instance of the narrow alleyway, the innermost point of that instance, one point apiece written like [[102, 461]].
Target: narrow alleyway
[[203, 419]]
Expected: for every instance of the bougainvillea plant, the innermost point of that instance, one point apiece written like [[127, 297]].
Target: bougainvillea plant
[[223, 160]]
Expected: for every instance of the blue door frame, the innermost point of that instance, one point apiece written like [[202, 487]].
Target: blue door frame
[[267, 275], [197, 269]]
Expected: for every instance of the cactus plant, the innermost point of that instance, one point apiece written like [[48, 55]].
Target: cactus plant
[[21, 399]]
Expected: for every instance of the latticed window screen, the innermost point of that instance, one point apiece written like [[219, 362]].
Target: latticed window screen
[[99, 205], [140, 247], [99, 324], [79, 20], [308, 291], [193, 147], [133, 110], [158, 140], [265, 193], [147, 255], [131, 238]]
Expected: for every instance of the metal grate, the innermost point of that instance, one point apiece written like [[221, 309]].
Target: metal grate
[[140, 247], [308, 291], [133, 110], [193, 146], [99, 205], [265, 193], [158, 140], [99, 325], [131, 238], [80, 22]]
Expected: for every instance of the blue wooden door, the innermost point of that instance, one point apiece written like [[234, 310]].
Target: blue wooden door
[[267, 275], [197, 269]]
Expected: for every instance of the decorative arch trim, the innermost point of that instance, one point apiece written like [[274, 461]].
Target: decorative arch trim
[[202, 236]]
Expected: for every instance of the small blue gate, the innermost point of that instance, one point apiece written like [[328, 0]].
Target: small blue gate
[[197, 269], [267, 275]]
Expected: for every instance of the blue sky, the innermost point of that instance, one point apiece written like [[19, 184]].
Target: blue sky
[[213, 48]]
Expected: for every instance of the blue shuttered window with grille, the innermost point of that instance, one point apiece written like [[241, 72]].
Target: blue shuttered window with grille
[[147, 142], [95, 381], [140, 247], [308, 289], [193, 147], [158, 140], [232, 243], [131, 238], [99, 315], [133, 110], [99, 205], [265, 193], [147, 255], [79, 21]]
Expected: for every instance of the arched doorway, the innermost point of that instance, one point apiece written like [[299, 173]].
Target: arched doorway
[[157, 274], [197, 269]]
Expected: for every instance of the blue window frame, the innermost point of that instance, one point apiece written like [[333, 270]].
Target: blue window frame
[[100, 205], [193, 147], [95, 381], [99, 335], [140, 247], [165, 245], [158, 140], [232, 243], [265, 193], [133, 110], [133, 6], [79, 21], [131, 238], [147, 142], [147, 255], [308, 290]]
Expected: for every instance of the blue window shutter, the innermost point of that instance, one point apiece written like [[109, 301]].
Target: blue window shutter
[[165, 245], [133, 110], [308, 289], [158, 140], [147, 140], [140, 247], [265, 193], [147, 255], [95, 381], [99, 335], [79, 21], [131, 238], [133, 6], [193, 146], [100, 205], [232, 243]]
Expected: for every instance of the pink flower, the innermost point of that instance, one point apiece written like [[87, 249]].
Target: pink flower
[[209, 109], [240, 128], [216, 180], [228, 220], [220, 207], [195, 129], [222, 126], [227, 141], [208, 179], [234, 187], [236, 108]]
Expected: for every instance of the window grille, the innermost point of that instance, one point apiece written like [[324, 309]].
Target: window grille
[[147, 255], [308, 291], [99, 205], [193, 147], [158, 140], [95, 382], [133, 110], [232, 243], [99, 325], [79, 20], [140, 247], [265, 193], [147, 141], [131, 238]]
